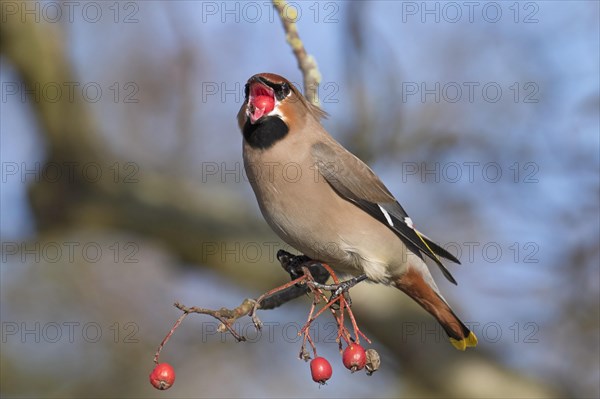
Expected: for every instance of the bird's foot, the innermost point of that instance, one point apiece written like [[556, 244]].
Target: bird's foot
[[294, 264], [345, 286], [338, 303], [341, 288]]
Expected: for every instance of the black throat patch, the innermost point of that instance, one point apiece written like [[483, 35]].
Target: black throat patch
[[265, 133]]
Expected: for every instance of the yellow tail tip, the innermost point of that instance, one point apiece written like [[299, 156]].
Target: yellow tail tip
[[464, 343]]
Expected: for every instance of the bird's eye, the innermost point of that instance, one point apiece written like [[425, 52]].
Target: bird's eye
[[282, 91], [246, 90]]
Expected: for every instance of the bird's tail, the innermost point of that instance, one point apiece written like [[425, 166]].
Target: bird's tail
[[413, 284], [460, 335]]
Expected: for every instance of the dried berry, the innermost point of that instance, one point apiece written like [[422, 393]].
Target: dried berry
[[373, 361]]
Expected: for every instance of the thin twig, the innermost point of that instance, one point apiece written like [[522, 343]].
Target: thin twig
[[306, 335], [306, 62], [168, 336], [224, 315], [257, 322]]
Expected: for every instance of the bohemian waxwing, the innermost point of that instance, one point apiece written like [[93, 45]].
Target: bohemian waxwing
[[325, 202]]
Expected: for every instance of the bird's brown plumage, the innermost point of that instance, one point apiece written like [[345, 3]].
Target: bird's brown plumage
[[328, 204]]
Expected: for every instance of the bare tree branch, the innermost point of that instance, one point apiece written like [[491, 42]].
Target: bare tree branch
[[306, 62]]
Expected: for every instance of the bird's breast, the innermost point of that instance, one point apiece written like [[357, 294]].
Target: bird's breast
[[289, 189], [305, 211]]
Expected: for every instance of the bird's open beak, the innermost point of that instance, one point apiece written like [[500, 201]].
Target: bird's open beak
[[261, 101]]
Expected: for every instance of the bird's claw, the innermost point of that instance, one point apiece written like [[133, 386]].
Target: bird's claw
[[341, 288], [292, 263], [256, 321]]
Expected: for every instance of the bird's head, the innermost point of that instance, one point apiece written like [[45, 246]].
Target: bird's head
[[273, 106]]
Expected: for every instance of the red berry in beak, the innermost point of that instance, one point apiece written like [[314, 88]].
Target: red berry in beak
[[260, 102]]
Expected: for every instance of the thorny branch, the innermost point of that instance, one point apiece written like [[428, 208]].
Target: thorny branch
[[306, 62]]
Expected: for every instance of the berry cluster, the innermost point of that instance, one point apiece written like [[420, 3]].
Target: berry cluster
[[354, 357]]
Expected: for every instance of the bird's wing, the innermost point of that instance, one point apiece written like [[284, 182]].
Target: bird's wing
[[354, 181]]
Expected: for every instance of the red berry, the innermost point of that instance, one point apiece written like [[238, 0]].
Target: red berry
[[320, 369], [163, 376], [265, 103], [354, 357]]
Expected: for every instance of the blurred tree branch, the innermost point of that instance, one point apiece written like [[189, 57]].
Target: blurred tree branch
[[154, 205]]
